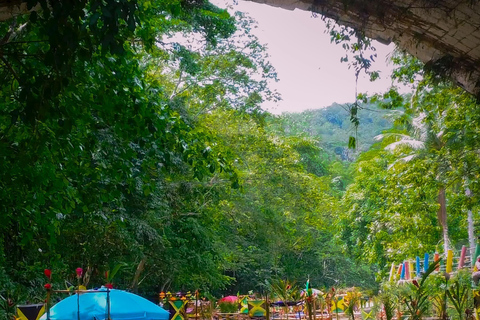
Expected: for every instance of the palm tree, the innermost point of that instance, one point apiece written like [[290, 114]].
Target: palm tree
[[423, 139]]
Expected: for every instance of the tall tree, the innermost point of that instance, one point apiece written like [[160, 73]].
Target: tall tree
[[429, 151], [85, 136]]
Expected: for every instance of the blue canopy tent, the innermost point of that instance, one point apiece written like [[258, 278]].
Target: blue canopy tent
[[92, 305]]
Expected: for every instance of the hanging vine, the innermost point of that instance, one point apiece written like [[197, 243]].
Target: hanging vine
[[359, 54]]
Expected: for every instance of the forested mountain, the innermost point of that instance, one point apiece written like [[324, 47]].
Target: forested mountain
[[332, 127]]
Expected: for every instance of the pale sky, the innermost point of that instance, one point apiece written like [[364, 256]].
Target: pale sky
[[308, 65]]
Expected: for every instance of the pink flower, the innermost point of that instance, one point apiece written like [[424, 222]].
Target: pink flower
[[48, 273], [79, 272]]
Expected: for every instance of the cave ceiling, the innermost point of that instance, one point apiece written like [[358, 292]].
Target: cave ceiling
[[441, 33]]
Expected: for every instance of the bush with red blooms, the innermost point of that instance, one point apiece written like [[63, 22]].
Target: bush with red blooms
[[79, 272]]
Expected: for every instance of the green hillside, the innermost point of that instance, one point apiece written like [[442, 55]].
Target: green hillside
[[331, 126]]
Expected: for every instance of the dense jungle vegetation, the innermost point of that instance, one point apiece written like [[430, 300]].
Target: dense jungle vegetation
[[132, 140]]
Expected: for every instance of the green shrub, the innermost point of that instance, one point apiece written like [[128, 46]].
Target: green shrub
[[228, 307]]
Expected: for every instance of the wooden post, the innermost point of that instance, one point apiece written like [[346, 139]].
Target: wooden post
[[425, 263], [314, 310], [449, 266], [196, 306], [461, 262], [267, 307], [436, 257]]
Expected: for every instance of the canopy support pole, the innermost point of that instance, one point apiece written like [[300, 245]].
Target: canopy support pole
[[108, 304]]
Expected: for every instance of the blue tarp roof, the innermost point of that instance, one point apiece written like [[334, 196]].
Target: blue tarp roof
[[93, 306]]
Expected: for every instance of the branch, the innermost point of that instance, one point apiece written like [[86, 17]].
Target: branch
[[174, 93], [6, 37], [12, 33], [138, 272], [20, 42], [10, 68], [19, 30], [6, 131], [180, 91]]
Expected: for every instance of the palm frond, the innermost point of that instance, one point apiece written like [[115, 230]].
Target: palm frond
[[412, 143]]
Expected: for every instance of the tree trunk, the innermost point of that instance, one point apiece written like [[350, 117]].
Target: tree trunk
[[471, 237], [138, 272], [442, 217], [471, 231]]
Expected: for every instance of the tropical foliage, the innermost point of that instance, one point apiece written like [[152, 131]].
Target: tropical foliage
[[413, 184], [133, 144]]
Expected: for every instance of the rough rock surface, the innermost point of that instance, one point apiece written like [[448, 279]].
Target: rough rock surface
[[443, 33]]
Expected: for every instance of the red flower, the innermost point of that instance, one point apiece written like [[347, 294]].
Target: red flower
[[333, 289], [79, 272], [48, 273], [415, 283], [48, 286], [109, 286]]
